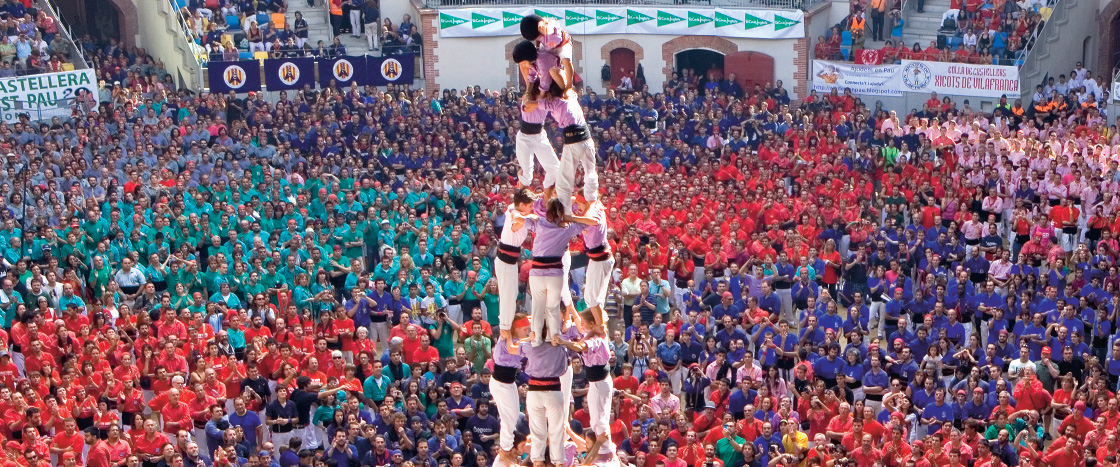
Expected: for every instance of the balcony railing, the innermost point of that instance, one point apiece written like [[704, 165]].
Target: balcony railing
[[776, 4], [77, 56], [1036, 33]]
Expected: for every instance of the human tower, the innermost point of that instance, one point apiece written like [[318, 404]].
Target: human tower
[[543, 343]]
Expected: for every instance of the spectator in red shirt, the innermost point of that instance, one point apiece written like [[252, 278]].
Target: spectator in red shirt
[[425, 353], [99, 453], [1078, 421], [176, 414], [68, 441], [866, 454]]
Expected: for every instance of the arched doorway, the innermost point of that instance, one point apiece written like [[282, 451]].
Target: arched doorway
[[750, 68], [700, 62], [1087, 53], [100, 19], [622, 63], [1114, 47]]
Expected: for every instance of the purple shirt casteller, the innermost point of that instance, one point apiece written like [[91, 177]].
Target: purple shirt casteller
[[546, 360], [536, 116], [598, 352], [596, 235], [551, 240], [566, 112], [504, 358], [545, 62]]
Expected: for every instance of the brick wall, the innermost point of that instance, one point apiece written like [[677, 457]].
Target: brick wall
[[429, 28], [801, 67], [670, 49], [639, 52], [129, 21], [1105, 38]]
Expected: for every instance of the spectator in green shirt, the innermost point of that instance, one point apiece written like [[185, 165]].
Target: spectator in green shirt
[[477, 346], [443, 332]]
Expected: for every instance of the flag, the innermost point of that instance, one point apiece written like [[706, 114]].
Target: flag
[[869, 57], [394, 69], [240, 77], [342, 70], [283, 74]]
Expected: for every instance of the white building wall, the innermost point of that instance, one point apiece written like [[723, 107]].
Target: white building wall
[[484, 60]]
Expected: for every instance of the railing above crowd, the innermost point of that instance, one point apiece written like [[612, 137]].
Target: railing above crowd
[[35, 40], [978, 32], [778, 4]]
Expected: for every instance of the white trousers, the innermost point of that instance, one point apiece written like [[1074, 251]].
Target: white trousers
[[582, 153], [697, 274], [199, 435], [281, 439], [599, 405], [18, 360], [320, 434], [455, 313], [379, 333], [786, 296], [877, 319], [1069, 241], [876, 406], [676, 378], [566, 291], [546, 292], [535, 148], [356, 22], [509, 405], [566, 384], [373, 34], [547, 422], [506, 275], [598, 282]]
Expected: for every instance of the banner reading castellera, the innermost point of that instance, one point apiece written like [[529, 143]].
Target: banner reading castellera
[[959, 79], [46, 95], [743, 23]]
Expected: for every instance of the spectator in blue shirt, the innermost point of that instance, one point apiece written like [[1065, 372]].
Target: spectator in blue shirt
[[341, 451], [729, 333], [670, 353], [938, 412], [769, 300], [727, 307]]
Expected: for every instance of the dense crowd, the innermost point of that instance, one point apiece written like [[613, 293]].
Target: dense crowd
[[221, 280], [979, 32], [27, 41], [229, 30]]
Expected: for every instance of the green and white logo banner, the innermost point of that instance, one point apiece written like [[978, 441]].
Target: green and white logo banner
[[745, 23]]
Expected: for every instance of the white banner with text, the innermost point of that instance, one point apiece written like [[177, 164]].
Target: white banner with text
[[959, 79], [868, 80], [42, 96]]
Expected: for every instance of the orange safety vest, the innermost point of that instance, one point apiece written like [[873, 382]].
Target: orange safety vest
[[858, 23], [336, 7]]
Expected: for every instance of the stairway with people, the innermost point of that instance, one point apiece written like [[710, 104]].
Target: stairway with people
[[923, 25]]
